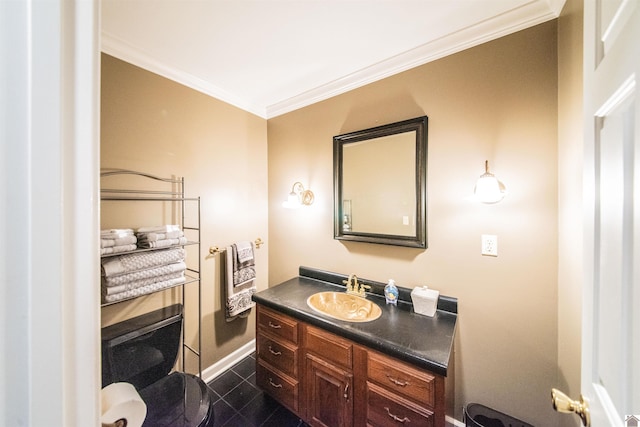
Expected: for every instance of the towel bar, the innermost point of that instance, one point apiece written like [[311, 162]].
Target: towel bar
[[215, 249]]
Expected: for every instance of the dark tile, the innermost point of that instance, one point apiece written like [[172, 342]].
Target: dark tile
[[225, 383], [282, 417], [245, 368], [239, 421], [252, 380], [240, 396], [214, 395], [259, 409], [222, 413]]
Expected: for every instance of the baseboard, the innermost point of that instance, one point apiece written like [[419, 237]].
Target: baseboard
[[228, 361], [453, 422]]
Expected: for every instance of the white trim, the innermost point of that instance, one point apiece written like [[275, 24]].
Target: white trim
[[120, 49], [454, 422], [528, 15], [228, 361]]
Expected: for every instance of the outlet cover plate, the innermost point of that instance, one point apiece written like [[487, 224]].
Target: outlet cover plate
[[489, 245]]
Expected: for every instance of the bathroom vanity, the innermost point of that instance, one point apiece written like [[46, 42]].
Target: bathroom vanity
[[394, 370]]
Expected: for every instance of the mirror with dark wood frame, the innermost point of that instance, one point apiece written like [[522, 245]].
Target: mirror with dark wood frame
[[380, 184]]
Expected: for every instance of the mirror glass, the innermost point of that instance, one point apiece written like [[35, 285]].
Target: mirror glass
[[380, 184]]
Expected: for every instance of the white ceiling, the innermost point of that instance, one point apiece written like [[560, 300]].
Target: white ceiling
[[270, 57]]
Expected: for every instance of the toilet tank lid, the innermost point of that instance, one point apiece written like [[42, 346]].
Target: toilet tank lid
[[137, 326]]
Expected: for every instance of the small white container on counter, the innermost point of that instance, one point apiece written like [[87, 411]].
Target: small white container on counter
[[425, 300]]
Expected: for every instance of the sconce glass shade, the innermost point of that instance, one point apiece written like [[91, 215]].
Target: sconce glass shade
[[488, 188], [298, 197]]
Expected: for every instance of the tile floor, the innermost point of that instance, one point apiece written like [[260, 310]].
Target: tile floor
[[241, 404]]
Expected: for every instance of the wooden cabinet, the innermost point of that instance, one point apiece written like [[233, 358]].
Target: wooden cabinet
[[328, 385], [399, 394], [278, 359], [329, 381]]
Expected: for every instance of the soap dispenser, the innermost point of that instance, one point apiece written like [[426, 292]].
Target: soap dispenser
[[391, 292]]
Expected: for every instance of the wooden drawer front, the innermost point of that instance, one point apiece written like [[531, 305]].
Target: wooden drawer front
[[278, 354], [388, 409], [280, 387], [329, 347], [278, 324], [401, 378]]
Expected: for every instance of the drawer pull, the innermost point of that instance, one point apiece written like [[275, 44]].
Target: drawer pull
[[275, 353], [398, 382], [274, 326], [274, 384], [397, 418]]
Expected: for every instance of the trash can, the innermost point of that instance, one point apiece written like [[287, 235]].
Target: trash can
[[476, 415]]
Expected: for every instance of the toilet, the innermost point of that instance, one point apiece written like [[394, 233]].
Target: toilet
[[143, 351]]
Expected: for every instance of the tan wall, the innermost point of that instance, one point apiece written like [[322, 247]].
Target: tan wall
[[497, 101], [570, 224], [157, 126]]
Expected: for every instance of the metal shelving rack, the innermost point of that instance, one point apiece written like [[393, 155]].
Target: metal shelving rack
[[175, 195]]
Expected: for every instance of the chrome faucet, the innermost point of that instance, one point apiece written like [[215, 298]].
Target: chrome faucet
[[355, 288]]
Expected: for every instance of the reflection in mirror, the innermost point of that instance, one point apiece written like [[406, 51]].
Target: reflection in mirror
[[380, 184]]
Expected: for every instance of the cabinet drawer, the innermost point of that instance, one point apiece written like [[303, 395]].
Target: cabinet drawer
[[279, 354], [329, 347], [401, 378], [280, 387], [388, 409], [277, 324]]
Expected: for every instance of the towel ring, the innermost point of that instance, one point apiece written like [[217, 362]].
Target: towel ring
[[216, 249]]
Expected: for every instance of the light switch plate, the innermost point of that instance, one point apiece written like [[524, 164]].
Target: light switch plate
[[489, 245]]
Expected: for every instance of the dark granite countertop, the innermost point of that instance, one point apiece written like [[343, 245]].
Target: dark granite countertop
[[426, 342]]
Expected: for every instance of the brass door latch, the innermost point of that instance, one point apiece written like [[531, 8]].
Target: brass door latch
[[563, 403]]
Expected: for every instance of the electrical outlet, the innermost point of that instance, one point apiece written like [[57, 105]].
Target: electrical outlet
[[489, 245]]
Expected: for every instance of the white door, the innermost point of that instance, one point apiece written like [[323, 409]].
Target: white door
[[611, 317]]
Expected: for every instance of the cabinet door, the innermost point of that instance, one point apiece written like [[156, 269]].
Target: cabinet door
[[329, 392]]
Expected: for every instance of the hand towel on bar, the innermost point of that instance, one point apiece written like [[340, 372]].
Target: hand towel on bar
[[243, 265], [240, 284]]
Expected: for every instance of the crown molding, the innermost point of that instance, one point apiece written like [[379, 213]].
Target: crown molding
[[531, 13], [122, 50], [528, 15]]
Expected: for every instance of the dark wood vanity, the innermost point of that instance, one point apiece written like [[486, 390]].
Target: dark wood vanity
[[335, 373]]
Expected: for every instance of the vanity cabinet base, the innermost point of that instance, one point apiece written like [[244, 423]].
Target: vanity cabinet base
[[328, 380]]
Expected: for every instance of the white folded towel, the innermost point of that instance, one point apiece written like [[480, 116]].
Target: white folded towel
[[114, 233], [162, 243], [118, 241], [118, 249], [146, 273], [159, 229], [128, 263], [154, 237]]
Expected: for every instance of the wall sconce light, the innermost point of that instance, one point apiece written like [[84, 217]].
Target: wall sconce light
[[488, 188], [298, 197]]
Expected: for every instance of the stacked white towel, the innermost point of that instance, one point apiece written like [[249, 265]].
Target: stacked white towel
[[161, 236], [117, 240], [131, 275]]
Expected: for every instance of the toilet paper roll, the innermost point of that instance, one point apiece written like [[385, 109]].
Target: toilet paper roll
[[122, 401]]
